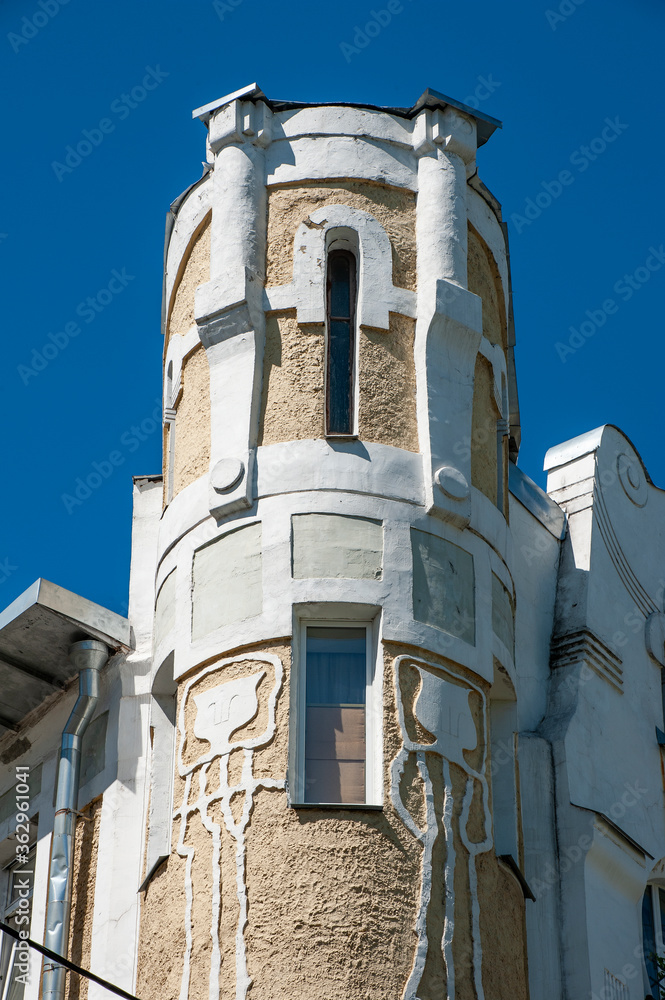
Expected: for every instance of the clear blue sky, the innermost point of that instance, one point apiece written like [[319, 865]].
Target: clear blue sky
[[555, 79]]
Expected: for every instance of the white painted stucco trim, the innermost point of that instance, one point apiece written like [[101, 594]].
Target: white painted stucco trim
[[377, 296]]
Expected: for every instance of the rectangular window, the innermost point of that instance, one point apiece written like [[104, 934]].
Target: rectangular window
[[336, 760]]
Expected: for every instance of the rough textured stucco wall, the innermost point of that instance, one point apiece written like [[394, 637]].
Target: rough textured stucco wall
[[502, 935], [333, 894], [192, 422], [502, 925], [162, 932], [194, 271], [387, 385], [394, 208], [293, 397], [321, 884], [483, 430], [484, 280], [83, 897]]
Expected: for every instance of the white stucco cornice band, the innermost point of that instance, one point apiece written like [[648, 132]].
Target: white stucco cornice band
[[191, 214]]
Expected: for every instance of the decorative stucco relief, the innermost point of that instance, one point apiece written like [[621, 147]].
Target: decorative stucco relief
[[235, 715], [440, 728]]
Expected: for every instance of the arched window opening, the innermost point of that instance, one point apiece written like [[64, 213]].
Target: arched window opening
[[340, 351]]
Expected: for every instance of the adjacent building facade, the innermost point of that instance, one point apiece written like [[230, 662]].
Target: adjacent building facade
[[385, 718]]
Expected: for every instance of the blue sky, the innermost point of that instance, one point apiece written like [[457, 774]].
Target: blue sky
[[577, 168]]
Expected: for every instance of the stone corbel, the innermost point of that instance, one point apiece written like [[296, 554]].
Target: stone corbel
[[235, 391], [447, 364], [229, 307], [240, 121]]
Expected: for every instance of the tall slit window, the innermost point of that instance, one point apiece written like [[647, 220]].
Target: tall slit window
[[335, 702], [340, 360]]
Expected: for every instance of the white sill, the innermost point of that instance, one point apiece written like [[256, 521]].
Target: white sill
[[337, 805]]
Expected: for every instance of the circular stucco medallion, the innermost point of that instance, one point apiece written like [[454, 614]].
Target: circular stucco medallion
[[632, 479], [452, 482], [226, 474]]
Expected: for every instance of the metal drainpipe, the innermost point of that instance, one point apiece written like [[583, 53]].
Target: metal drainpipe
[[89, 656]]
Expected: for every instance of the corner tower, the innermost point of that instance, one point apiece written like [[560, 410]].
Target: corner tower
[[333, 650]]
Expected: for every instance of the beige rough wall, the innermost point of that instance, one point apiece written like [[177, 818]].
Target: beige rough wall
[[483, 430], [162, 931], [83, 897], [192, 422], [502, 931], [293, 397], [433, 984], [333, 894], [387, 385], [394, 208], [485, 281], [194, 270], [502, 921]]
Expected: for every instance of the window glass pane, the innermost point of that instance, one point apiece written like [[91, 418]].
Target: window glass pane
[[340, 286], [649, 938], [339, 376], [335, 714], [336, 666], [341, 339]]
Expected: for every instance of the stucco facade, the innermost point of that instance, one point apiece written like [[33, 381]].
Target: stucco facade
[[386, 721]]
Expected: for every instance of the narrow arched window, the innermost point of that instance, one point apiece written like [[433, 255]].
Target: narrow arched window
[[340, 354]]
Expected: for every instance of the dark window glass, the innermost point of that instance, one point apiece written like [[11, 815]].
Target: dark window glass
[[336, 666], [341, 341]]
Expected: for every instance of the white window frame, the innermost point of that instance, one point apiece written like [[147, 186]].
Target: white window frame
[[339, 616]]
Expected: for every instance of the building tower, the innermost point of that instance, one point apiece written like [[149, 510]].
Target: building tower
[[334, 624]]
